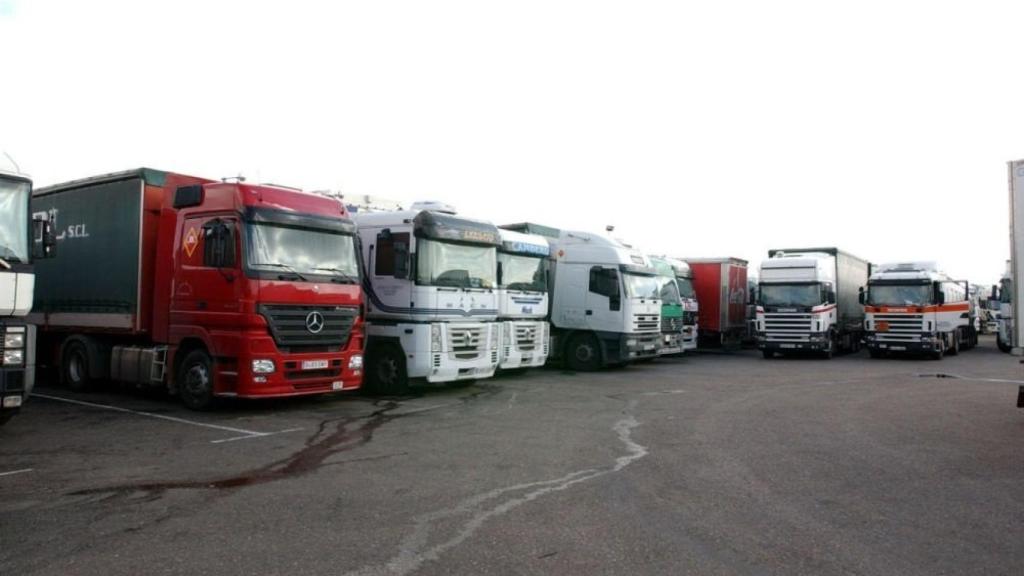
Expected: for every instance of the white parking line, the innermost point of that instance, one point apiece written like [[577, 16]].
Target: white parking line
[[13, 472], [257, 435], [246, 433]]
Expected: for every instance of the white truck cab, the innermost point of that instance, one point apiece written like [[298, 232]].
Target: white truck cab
[[523, 299], [691, 308], [912, 307], [605, 300], [671, 308], [432, 299]]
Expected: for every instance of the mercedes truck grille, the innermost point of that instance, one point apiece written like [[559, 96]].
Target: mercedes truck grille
[[297, 328]]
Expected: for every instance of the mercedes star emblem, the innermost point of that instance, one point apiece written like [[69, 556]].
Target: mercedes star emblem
[[314, 322]]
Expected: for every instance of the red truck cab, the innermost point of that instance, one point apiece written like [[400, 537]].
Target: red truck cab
[[243, 290]]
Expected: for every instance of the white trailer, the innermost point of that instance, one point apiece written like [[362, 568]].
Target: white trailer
[[912, 307], [1016, 313], [523, 300], [432, 301]]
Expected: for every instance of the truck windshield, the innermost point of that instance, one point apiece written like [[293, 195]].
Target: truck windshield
[[669, 292], [301, 251], [899, 295], [455, 265], [520, 272], [791, 294], [685, 286], [14, 196], [640, 286]]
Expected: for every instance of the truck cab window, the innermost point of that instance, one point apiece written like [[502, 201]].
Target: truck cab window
[[384, 263], [219, 244], [604, 281]]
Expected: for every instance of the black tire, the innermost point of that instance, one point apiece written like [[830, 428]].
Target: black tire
[[387, 374], [954, 348], [1003, 346], [6, 416], [195, 381], [75, 370], [583, 353]]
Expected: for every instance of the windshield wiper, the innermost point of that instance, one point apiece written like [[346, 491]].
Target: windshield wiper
[[285, 266], [344, 275]]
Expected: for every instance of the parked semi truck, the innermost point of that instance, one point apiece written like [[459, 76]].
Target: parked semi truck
[[1004, 316], [211, 289], [431, 282], [671, 308], [1015, 315], [808, 300], [912, 307], [721, 286], [22, 240], [523, 299], [605, 300], [691, 307]]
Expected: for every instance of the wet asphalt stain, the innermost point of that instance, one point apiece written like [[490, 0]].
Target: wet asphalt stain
[[348, 434]]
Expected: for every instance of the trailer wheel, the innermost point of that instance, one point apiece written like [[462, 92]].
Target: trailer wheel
[[195, 381], [584, 353], [75, 367], [387, 373]]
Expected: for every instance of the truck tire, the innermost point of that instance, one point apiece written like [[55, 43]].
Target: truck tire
[[195, 381], [1003, 346], [74, 361], [6, 416], [583, 353], [954, 348], [387, 375]]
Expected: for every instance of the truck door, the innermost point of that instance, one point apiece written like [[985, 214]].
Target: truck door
[[390, 274], [208, 283], [604, 300]]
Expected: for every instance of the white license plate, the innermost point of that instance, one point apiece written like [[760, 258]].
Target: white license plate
[[337, 385], [787, 345], [314, 364], [650, 347], [897, 347]]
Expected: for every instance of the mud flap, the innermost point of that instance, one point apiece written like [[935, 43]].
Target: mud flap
[[1020, 397]]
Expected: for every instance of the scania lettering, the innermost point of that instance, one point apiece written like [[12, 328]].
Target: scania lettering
[[212, 289], [605, 300], [808, 301], [433, 299], [523, 299], [911, 307], [671, 308], [17, 281]]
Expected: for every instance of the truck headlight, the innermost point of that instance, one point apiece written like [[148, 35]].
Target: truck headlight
[[263, 366], [631, 343], [14, 340], [355, 362], [435, 337], [14, 357]]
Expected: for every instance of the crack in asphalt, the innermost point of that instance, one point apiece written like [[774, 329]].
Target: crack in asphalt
[[415, 550]]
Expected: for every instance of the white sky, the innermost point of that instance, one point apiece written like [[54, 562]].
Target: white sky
[[698, 129]]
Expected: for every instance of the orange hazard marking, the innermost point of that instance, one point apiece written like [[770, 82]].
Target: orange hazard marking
[[191, 242]]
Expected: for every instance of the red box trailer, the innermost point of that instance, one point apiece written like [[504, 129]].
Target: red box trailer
[[209, 288], [721, 287]]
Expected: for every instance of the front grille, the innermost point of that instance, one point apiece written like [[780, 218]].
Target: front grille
[[671, 325], [787, 323], [526, 337], [647, 323], [898, 327], [467, 343], [289, 326]]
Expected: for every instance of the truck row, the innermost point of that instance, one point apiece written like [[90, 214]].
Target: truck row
[[222, 288]]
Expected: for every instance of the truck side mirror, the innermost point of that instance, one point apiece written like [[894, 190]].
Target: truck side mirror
[[831, 297], [614, 291], [940, 296], [499, 274], [995, 293], [45, 245], [862, 296], [401, 260]]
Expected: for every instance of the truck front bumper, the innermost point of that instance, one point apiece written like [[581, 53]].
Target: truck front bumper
[[294, 374], [922, 345], [689, 338], [671, 343], [811, 342], [523, 353], [641, 346]]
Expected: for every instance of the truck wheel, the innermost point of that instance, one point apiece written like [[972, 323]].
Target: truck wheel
[[195, 381], [584, 353], [1003, 346], [954, 349], [75, 367], [768, 354], [6, 416], [387, 371]]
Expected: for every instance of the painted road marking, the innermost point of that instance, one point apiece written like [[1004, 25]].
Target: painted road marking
[[13, 472], [243, 433], [257, 435]]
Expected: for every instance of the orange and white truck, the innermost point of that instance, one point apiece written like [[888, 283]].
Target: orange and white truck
[[912, 307]]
